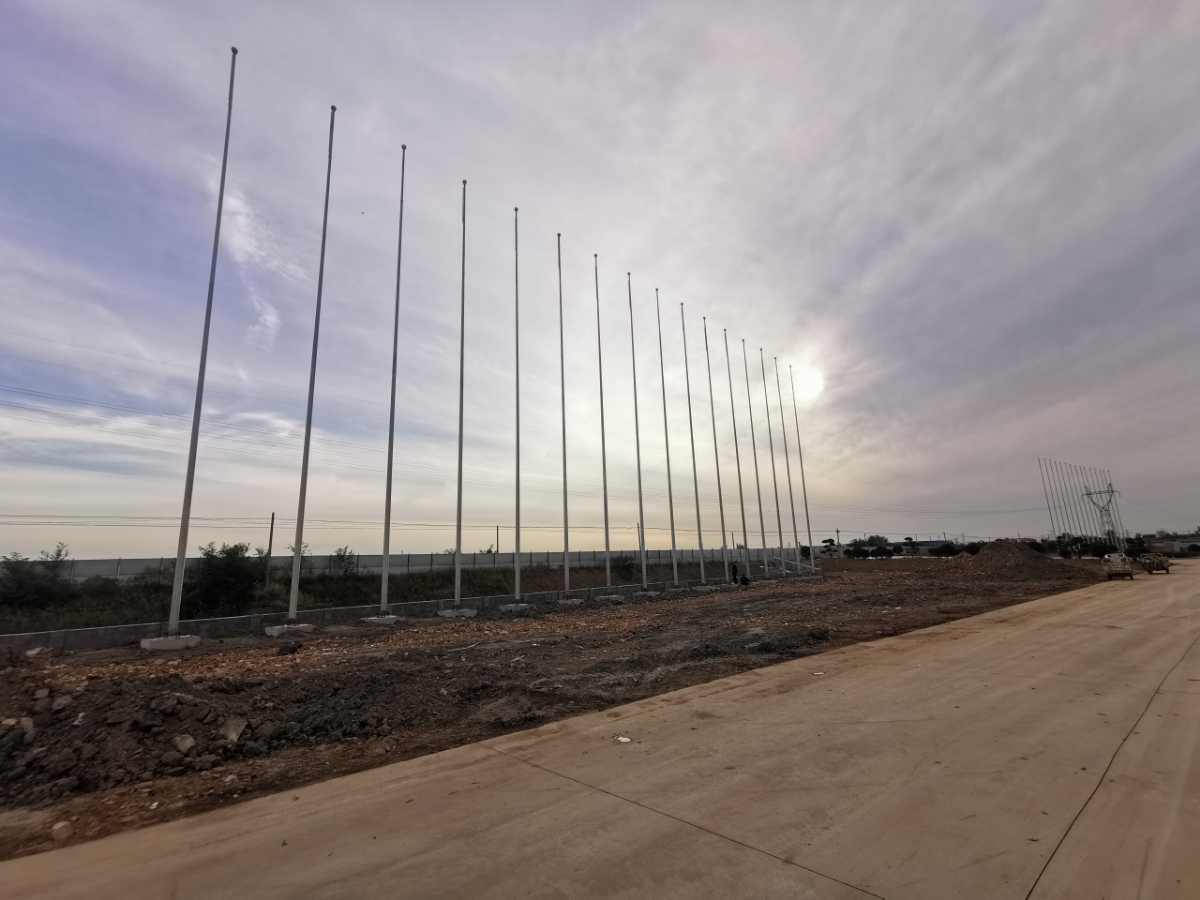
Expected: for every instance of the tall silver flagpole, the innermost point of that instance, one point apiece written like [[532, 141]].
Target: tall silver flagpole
[[662, 374], [712, 408], [562, 384], [1046, 493], [186, 515], [812, 551], [462, 355], [771, 446], [603, 448], [787, 464], [298, 547], [762, 526], [387, 503], [737, 457], [517, 386], [692, 436], [637, 435]]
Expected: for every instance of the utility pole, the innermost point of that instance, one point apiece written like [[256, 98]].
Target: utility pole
[[462, 354], [771, 445], [562, 381], [294, 596], [762, 526], [787, 463], [812, 550], [387, 504], [603, 446], [666, 440], [637, 433], [270, 546], [517, 415], [186, 516], [736, 455], [712, 409], [692, 436]]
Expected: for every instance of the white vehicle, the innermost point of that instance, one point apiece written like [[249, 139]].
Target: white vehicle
[[1117, 565]]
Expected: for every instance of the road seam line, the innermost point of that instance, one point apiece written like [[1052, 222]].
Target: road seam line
[[1104, 775], [688, 823]]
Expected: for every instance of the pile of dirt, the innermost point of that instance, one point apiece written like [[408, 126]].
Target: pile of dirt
[[1016, 560], [105, 733]]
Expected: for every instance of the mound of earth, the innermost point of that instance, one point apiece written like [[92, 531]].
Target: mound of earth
[[1012, 559]]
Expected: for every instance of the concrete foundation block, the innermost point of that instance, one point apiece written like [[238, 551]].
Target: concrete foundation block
[[461, 612], [570, 601], [676, 592], [167, 644], [381, 620], [706, 589], [289, 628], [646, 595], [610, 598], [514, 609]]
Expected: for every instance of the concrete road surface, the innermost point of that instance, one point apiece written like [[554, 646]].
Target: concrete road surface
[[1047, 750]]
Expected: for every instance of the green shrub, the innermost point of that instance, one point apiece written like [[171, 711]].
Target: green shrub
[[224, 581], [30, 584]]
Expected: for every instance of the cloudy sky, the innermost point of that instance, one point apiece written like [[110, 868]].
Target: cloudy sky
[[970, 228]]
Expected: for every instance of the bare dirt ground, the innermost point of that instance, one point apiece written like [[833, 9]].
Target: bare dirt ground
[[116, 740]]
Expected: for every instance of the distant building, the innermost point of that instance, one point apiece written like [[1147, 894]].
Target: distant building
[[1178, 545]]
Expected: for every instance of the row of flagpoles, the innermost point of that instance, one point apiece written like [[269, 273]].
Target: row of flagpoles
[[294, 593]]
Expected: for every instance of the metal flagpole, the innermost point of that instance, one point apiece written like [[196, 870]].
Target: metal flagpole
[[387, 504], [737, 457], [603, 448], [1095, 485], [812, 551], [667, 441], [270, 547], [771, 444], [787, 465], [298, 547], [517, 415], [1077, 488], [1068, 495], [754, 451], [185, 516], [637, 434], [562, 384], [1046, 494], [1063, 499], [462, 354], [692, 436], [1064, 519], [712, 407]]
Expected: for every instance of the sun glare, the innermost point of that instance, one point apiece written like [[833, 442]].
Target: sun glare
[[809, 383]]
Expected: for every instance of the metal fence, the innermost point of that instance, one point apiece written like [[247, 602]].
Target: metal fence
[[407, 563]]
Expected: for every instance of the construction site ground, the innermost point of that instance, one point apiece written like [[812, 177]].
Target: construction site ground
[[114, 740]]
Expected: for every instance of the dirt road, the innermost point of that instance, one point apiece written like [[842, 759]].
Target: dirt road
[[1043, 750]]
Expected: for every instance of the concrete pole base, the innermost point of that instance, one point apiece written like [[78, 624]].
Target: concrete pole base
[[706, 589], [610, 598], [167, 644], [514, 609], [646, 595], [289, 628], [461, 612], [570, 601], [381, 620]]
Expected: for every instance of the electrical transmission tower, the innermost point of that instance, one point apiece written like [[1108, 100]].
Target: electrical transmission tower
[[1103, 500]]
